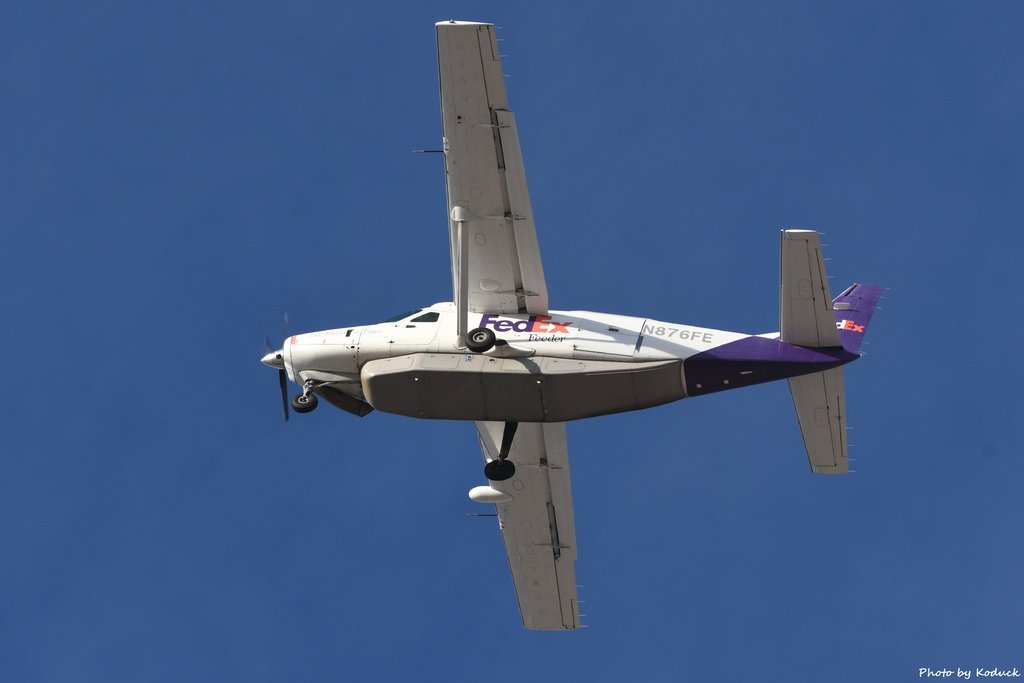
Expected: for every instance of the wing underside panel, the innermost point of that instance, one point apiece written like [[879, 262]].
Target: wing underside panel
[[485, 176], [537, 524]]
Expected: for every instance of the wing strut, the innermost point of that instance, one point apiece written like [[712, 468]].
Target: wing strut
[[460, 216]]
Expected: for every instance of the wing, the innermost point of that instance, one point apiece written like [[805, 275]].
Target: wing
[[537, 523], [497, 269]]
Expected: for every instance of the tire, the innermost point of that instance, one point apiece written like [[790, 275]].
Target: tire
[[479, 340], [499, 470], [304, 404]]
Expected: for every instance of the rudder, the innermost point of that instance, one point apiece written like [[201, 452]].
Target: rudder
[[853, 309]]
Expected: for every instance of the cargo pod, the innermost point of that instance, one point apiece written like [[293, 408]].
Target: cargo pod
[[535, 389]]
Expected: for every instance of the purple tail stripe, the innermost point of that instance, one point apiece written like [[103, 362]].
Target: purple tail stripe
[[753, 360], [853, 309]]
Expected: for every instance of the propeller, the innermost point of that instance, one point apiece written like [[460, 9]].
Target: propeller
[[275, 360], [282, 377]]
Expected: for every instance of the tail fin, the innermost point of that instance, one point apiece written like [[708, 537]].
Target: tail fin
[[853, 309]]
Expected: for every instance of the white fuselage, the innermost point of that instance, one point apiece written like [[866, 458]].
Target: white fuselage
[[618, 363], [331, 355]]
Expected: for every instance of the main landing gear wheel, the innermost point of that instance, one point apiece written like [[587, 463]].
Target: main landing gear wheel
[[479, 340], [304, 403], [500, 470]]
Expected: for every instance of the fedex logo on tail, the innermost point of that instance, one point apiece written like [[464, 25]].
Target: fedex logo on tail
[[535, 323], [849, 325]]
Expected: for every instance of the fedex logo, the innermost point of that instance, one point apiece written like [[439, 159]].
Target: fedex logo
[[535, 323], [849, 325]]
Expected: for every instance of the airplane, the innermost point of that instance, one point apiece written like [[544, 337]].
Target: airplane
[[499, 356]]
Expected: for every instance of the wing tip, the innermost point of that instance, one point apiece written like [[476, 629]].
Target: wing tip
[[458, 22]]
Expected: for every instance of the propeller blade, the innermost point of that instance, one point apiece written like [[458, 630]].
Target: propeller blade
[[283, 379], [273, 359]]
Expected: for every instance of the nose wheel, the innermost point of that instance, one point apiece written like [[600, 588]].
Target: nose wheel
[[502, 468], [305, 402]]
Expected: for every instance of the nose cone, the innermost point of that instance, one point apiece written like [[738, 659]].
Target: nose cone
[[274, 359]]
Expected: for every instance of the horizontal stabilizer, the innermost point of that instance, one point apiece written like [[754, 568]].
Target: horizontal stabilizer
[[805, 305], [820, 402]]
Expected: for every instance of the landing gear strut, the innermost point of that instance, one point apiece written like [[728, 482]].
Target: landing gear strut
[[306, 401], [502, 468]]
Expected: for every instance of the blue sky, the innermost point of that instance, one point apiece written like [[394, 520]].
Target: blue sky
[[174, 178]]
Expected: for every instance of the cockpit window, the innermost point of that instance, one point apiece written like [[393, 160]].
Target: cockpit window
[[401, 316], [427, 318]]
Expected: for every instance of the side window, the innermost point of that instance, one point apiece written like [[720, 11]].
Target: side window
[[396, 318], [427, 318]]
